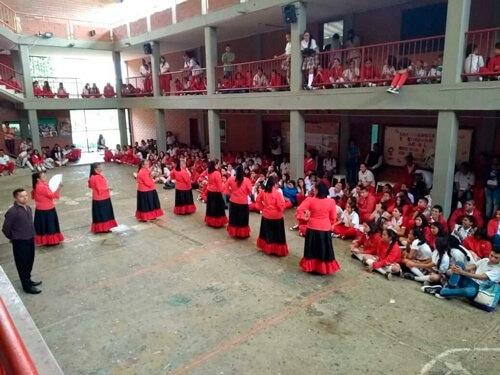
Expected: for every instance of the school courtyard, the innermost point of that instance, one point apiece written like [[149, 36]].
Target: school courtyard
[[177, 297]]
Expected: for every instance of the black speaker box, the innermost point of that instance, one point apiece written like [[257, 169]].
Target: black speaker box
[[289, 14], [148, 50]]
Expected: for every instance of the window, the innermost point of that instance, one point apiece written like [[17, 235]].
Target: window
[[330, 29]]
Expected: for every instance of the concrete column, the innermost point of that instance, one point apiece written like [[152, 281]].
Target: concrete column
[[161, 136], [35, 132], [457, 24], [297, 142], [344, 136], [296, 31], [25, 129], [214, 134], [211, 58], [117, 62], [258, 132], [26, 70], [445, 160], [122, 125], [155, 68], [201, 128]]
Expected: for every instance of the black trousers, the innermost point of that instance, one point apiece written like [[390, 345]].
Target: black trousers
[[24, 256]]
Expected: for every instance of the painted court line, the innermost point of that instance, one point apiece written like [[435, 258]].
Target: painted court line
[[428, 366], [261, 325]]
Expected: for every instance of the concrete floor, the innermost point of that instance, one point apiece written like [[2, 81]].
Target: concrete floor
[[178, 297]]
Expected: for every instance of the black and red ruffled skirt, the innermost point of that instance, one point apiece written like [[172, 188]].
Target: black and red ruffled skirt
[[215, 214], [148, 206], [184, 203], [319, 256], [238, 220], [47, 228], [272, 238], [103, 217]]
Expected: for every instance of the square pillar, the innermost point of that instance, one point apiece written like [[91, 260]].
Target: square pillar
[[297, 143], [155, 68], [24, 57], [161, 133], [201, 128], [344, 137], [457, 24], [296, 31], [122, 126], [214, 134], [211, 60], [117, 62], [259, 132], [445, 160], [35, 132]]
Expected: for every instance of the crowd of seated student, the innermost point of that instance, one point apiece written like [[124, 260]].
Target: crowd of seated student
[[45, 91], [241, 82], [477, 69], [47, 158]]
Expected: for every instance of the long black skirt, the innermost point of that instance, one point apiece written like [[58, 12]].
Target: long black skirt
[[215, 212], [47, 228], [238, 220], [103, 217], [272, 238], [148, 205], [184, 203], [319, 255]]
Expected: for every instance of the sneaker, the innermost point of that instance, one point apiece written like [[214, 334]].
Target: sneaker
[[431, 289], [395, 91], [353, 256], [295, 227], [389, 90], [335, 235], [388, 275], [438, 295], [408, 276]]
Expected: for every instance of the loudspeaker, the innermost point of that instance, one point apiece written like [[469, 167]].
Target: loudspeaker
[[289, 13], [148, 50], [92, 32]]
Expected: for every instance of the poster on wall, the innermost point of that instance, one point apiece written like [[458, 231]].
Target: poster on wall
[[47, 127], [322, 136], [64, 124], [421, 143]]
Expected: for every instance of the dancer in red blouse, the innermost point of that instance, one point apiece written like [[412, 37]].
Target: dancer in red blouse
[[184, 204], [103, 217], [272, 238], [216, 213], [46, 220], [321, 214], [239, 188], [148, 203]]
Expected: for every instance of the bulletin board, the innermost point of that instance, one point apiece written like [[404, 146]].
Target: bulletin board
[[421, 143], [323, 136]]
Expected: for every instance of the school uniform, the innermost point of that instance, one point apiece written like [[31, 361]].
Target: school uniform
[[387, 256], [309, 166], [459, 212], [6, 164], [238, 208], [103, 217], [272, 238], [46, 220], [184, 204], [319, 255], [165, 77], [215, 213], [345, 230], [366, 206], [148, 203], [369, 243]]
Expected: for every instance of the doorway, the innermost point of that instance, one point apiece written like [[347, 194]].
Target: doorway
[[194, 132]]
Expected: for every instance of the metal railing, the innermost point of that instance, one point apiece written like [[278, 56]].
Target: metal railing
[[8, 17], [14, 357], [73, 88], [12, 79], [481, 61], [253, 76]]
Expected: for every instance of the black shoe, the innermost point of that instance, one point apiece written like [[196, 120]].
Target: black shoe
[[36, 283], [33, 290], [408, 276]]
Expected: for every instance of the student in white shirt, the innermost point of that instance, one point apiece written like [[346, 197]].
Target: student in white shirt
[[285, 65], [419, 253], [190, 64], [329, 164], [165, 76], [464, 181], [473, 63], [285, 166], [336, 192], [310, 56], [260, 80], [365, 176], [348, 225], [436, 268], [461, 232]]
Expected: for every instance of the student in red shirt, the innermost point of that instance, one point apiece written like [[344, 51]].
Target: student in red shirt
[[272, 238], [366, 204], [239, 188], [103, 217], [367, 243], [109, 91], [437, 216], [108, 155], [240, 84], [309, 164], [215, 216], [469, 208], [494, 63], [37, 161], [369, 73], [275, 83], [184, 204], [321, 79], [148, 203], [388, 255], [46, 221], [320, 214], [437, 230], [478, 244], [494, 229], [336, 71]]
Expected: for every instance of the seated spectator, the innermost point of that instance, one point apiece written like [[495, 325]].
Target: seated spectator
[[37, 90], [329, 165], [335, 70], [473, 63], [72, 153], [290, 192], [464, 182], [437, 69], [388, 257], [369, 73], [365, 176], [368, 241], [348, 225], [466, 229], [198, 85], [468, 209], [437, 217], [94, 91], [86, 91], [493, 67], [417, 252], [260, 82], [5, 163], [46, 90], [13, 84], [401, 76], [420, 72], [366, 204], [389, 69], [321, 79], [493, 231], [239, 83], [336, 192], [109, 91], [478, 244], [186, 83], [37, 161], [48, 162], [61, 91], [350, 76], [275, 83], [178, 87]]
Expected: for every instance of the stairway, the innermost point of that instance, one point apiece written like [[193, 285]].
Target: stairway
[[11, 95]]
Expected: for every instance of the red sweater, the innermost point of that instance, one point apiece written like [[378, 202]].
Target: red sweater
[[369, 72], [459, 212], [43, 196], [182, 179], [482, 247], [99, 186], [109, 91], [386, 256], [309, 165], [494, 64], [367, 206], [215, 182], [275, 81], [370, 243], [336, 73], [323, 213], [493, 227], [36, 160], [239, 194], [144, 180], [273, 204]]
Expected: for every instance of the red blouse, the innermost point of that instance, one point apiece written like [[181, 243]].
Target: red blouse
[[144, 181], [386, 256], [36, 160], [492, 227], [43, 196], [239, 194], [309, 165], [181, 178], [215, 182], [482, 247], [370, 243], [323, 213], [99, 186], [273, 204]]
